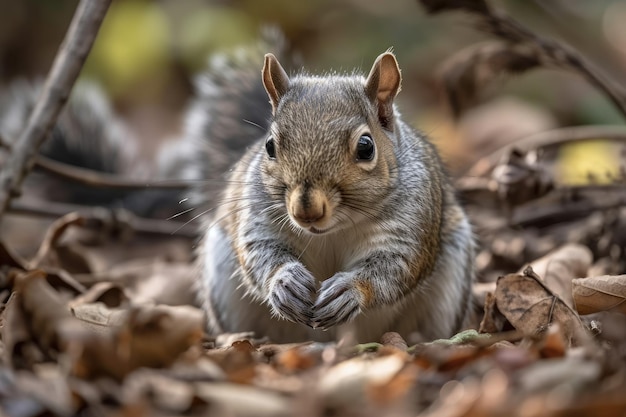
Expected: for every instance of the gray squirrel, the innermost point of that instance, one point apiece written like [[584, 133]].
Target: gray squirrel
[[338, 217], [323, 211]]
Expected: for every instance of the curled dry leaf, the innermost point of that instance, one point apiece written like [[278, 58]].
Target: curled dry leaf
[[49, 317], [559, 267], [395, 340], [595, 294], [110, 294], [46, 254], [531, 307]]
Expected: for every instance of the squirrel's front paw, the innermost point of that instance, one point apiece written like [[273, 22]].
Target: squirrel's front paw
[[291, 293], [338, 302]]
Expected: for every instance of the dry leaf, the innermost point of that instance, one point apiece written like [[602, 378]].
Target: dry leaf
[[395, 340], [110, 294], [493, 321], [592, 295], [153, 281], [130, 339], [531, 307], [49, 317], [558, 268], [46, 255], [554, 343], [296, 359], [19, 349]]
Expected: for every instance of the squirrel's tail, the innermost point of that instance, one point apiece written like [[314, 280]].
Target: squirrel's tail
[[87, 134], [231, 109]]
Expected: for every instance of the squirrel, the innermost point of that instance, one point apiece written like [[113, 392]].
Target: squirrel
[[338, 217]]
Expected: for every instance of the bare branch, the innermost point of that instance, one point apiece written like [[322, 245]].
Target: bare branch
[[535, 50], [65, 69], [554, 137], [102, 180], [136, 224]]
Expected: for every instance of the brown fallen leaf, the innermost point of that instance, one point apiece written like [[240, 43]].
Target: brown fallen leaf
[[395, 340], [603, 293], [554, 344], [110, 294], [49, 317], [153, 280], [531, 307], [559, 267], [19, 347], [46, 255], [493, 321], [296, 359], [144, 336]]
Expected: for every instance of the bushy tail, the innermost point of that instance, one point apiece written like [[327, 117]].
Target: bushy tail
[[87, 134], [231, 110]]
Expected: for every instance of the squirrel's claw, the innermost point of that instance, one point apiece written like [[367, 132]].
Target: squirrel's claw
[[291, 293], [337, 303]]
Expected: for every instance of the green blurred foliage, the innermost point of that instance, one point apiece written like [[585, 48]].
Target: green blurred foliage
[[131, 49]]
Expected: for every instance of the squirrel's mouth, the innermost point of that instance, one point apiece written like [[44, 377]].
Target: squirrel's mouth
[[317, 231]]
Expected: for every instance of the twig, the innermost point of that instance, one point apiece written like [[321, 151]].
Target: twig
[[65, 69], [548, 52], [137, 224], [536, 215], [102, 180], [548, 138]]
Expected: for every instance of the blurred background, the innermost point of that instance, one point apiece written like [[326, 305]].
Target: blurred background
[[148, 52]]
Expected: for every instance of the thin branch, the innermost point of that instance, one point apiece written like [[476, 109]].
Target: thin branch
[[137, 224], [554, 137], [102, 180], [63, 74], [548, 52]]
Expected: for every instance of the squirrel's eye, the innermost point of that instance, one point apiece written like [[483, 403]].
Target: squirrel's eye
[[270, 148], [365, 148]]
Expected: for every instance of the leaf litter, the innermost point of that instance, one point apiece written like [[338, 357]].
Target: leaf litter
[[129, 341]]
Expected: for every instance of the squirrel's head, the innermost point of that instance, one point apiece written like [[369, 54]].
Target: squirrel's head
[[329, 153]]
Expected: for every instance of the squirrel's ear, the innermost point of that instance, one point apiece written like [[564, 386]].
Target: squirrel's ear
[[275, 80], [382, 85]]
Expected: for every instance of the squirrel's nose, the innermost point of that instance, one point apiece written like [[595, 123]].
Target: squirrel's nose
[[307, 205], [308, 214]]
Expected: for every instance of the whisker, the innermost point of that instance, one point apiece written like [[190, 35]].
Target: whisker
[[180, 213], [254, 124]]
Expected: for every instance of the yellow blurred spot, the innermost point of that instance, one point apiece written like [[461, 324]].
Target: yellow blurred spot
[[132, 45], [209, 29], [578, 163]]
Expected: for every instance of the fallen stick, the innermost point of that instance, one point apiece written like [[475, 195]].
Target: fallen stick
[[63, 74]]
